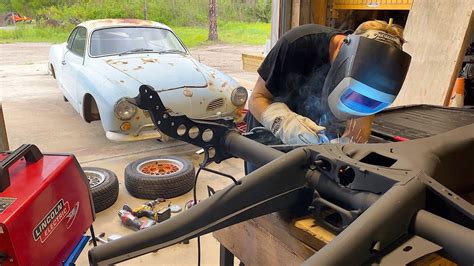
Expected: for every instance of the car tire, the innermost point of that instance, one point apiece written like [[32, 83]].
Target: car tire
[[159, 177], [51, 70], [104, 187]]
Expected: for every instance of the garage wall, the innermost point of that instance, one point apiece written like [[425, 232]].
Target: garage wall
[[437, 34]]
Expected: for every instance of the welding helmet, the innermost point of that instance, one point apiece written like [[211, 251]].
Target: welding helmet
[[365, 77]]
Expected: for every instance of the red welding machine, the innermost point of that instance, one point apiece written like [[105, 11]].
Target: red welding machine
[[45, 207]]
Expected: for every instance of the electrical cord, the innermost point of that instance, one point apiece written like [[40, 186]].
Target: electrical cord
[[202, 166], [194, 203], [236, 182]]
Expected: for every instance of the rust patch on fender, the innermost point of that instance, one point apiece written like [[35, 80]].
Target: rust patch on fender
[[224, 84], [150, 60], [187, 92], [137, 118], [116, 62]]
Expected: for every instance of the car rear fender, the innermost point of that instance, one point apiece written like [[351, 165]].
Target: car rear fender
[[51, 70], [56, 53]]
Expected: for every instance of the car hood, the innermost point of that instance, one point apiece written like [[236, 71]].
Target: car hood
[[162, 72]]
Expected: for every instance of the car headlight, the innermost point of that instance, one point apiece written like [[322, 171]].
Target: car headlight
[[239, 96], [124, 110]]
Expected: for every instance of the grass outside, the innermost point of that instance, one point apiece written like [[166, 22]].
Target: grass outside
[[31, 33], [231, 32]]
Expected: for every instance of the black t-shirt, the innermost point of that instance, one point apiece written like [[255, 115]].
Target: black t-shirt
[[296, 68]]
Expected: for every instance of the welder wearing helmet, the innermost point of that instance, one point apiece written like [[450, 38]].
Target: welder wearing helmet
[[319, 84]]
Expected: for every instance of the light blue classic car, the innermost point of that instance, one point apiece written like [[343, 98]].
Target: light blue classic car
[[105, 61]]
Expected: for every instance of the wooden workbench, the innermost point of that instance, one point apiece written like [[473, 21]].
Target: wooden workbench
[[278, 239], [268, 240]]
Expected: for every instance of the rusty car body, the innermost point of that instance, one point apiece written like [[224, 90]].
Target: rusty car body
[[105, 61]]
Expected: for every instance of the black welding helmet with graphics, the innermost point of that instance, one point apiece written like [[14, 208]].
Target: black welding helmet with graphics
[[366, 75]]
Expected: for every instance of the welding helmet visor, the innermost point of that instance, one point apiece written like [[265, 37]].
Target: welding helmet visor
[[365, 77]]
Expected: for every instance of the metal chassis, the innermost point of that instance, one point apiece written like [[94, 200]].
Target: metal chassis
[[382, 208]]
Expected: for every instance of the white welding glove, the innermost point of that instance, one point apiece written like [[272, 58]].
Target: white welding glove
[[289, 126]]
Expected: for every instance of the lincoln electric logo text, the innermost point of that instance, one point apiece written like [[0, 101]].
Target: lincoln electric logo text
[[49, 223]]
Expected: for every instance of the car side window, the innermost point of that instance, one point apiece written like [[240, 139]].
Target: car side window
[[71, 38], [79, 43]]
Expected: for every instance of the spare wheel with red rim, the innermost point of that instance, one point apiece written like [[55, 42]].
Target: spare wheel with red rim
[[159, 177]]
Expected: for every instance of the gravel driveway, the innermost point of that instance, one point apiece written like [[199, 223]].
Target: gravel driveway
[[36, 113]]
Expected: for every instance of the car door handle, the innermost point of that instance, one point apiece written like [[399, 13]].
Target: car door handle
[[63, 62]]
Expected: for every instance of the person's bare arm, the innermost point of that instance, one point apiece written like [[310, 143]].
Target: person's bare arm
[[358, 130], [260, 99]]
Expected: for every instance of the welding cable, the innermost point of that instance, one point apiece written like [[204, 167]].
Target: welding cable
[[201, 166], [236, 182]]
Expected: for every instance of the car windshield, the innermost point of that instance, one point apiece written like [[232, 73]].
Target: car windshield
[[134, 40]]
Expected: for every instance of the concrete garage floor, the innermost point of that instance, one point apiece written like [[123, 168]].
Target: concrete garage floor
[[35, 112]]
